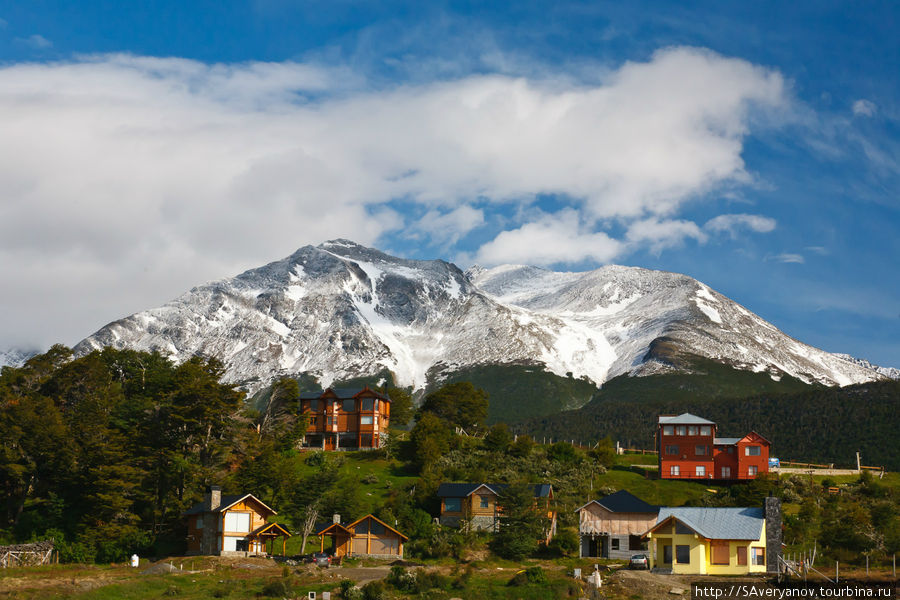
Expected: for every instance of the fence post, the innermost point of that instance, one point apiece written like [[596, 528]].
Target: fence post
[[837, 571], [867, 565]]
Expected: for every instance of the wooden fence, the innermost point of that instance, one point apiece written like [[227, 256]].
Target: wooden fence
[[27, 555]]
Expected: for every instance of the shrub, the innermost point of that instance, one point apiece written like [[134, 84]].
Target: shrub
[[374, 590], [277, 588], [349, 591], [565, 543]]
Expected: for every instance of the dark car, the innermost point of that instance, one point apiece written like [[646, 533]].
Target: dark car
[[639, 561], [321, 559]]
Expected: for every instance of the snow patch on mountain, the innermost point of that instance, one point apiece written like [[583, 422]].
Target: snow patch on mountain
[[15, 357]]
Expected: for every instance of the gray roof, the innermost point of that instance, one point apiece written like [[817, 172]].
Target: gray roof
[[685, 419], [461, 490], [341, 393], [726, 441], [718, 523], [624, 502], [227, 502]]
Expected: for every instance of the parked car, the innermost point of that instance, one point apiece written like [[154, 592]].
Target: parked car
[[321, 559], [639, 561]]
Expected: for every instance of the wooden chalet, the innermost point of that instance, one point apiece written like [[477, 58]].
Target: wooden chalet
[[477, 505], [345, 418], [612, 527], [690, 449], [232, 525], [367, 536]]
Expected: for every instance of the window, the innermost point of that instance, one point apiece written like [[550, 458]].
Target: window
[[752, 451], [726, 472], [367, 404], [752, 470], [242, 545], [375, 419], [683, 555], [312, 422], [199, 524], [680, 430], [675, 470], [672, 450], [314, 405], [719, 553], [692, 430], [700, 471], [614, 543], [332, 421], [484, 501], [451, 505], [705, 430], [759, 556], [730, 450], [681, 528], [701, 450], [742, 555], [376, 528], [349, 405], [365, 420], [235, 521], [668, 430]]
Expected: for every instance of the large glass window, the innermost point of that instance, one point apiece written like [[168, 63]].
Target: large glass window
[[705, 430], [377, 528], [759, 556], [692, 430], [700, 471], [752, 451], [680, 430], [668, 430], [235, 521], [452, 504], [683, 554], [367, 404], [349, 405]]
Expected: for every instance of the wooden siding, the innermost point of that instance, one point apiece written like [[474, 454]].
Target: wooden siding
[[597, 520]]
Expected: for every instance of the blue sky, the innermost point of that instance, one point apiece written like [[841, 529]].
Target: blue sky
[[152, 146]]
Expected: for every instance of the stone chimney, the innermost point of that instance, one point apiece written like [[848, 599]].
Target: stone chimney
[[336, 518], [213, 497], [773, 534]]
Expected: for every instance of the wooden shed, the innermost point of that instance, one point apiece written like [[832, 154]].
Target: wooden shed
[[367, 536]]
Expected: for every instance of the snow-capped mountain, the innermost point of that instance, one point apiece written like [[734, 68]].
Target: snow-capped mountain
[[890, 372], [15, 357], [342, 310]]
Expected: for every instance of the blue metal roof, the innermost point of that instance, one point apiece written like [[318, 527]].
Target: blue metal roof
[[718, 523]]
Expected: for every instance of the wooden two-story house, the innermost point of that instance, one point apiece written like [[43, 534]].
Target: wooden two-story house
[[690, 449], [478, 505], [232, 525], [345, 418]]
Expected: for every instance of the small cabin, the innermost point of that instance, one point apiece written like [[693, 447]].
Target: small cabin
[[367, 536], [232, 525], [477, 505]]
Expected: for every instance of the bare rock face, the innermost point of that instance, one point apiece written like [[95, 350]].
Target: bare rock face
[[341, 310]]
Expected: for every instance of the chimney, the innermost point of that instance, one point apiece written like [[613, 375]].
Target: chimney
[[336, 518], [773, 534], [213, 497]]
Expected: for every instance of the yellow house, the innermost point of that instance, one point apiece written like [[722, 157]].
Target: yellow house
[[708, 541]]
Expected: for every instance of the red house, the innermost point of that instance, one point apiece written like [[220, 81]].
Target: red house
[[345, 419], [689, 449]]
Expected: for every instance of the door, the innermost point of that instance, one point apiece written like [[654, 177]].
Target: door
[[667, 554]]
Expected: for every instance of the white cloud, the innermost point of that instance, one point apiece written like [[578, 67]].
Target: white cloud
[[135, 178], [864, 108], [448, 227], [659, 235], [731, 224], [788, 257], [36, 41], [557, 238]]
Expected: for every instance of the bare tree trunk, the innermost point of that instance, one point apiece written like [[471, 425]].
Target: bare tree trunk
[[312, 513]]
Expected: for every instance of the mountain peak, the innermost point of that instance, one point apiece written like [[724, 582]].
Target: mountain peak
[[341, 310]]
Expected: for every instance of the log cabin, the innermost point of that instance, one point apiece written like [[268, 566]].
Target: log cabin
[[367, 536], [476, 505], [232, 525]]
